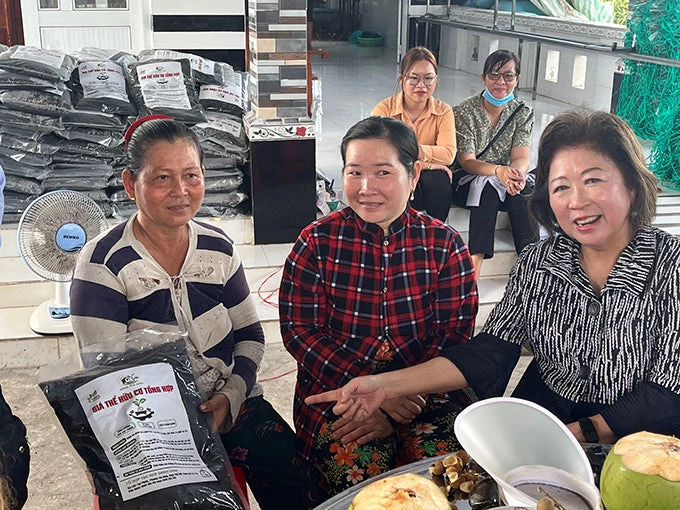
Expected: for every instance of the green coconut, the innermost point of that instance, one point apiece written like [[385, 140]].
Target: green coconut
[[642, 472]]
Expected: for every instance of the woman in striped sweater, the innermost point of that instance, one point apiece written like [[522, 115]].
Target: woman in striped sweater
[[598, 301], [163, 270]]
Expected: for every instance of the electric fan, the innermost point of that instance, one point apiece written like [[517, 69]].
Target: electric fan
[[52, 230]]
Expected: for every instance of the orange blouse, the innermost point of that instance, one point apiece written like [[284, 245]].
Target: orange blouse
[[435, 129]]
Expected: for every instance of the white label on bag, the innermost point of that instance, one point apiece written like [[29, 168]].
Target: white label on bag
[[138, 417], [200, 64], [222, 123], [229, 94], [162, 85], [52, 58], [102, 80]]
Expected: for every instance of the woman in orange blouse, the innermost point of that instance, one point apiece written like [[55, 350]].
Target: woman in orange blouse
[[432, 121]]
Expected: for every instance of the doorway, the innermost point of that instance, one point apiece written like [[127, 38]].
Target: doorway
[[68, 25]]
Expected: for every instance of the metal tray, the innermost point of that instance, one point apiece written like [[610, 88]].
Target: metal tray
[[596, 454], [341, 501]]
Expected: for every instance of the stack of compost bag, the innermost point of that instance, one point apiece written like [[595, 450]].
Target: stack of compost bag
[[32, 98], [62, 120], [225, 145]]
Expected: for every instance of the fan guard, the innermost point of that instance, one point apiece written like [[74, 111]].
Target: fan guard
[[54, 228]]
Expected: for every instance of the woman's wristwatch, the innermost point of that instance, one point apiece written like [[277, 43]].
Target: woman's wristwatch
[[589, 432]]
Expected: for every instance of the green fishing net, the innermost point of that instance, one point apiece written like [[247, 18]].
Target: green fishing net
[[650, 94]]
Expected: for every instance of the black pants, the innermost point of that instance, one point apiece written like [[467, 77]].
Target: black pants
[[14, 454], [483, 220], [433, 194], [264, 446]]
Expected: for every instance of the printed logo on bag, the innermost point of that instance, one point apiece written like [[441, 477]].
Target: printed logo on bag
[[93, 397], [161, 78], [139, 412], [129, 380]]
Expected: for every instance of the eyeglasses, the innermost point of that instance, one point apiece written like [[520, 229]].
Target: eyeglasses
[[428, 80], [508, 77]]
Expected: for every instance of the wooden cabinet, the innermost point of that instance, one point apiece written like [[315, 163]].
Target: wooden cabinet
[[11, 27]]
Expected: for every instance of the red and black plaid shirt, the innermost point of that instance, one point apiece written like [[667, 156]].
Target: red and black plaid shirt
[[355, 302]]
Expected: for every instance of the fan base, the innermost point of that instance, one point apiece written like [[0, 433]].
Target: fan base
[[43, 323]]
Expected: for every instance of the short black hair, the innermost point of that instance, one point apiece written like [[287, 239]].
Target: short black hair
[[393, 131], [498, 59]]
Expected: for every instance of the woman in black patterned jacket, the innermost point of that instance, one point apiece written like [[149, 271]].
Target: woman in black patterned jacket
[[598, 301]]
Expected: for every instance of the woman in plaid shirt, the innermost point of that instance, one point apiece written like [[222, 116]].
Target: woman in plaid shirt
[[372, 288]]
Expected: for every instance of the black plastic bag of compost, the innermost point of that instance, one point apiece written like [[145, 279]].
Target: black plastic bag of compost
[[104, 137], [223, 180], [223, 129], [13, 167], [22, 185], [12, 80], [135, 421], [52, 65], [100, 85], [205, 70], [37, 102], [223, 98], [26, 145], [166, 87], [93, 119], [23, 120], [26, 158]]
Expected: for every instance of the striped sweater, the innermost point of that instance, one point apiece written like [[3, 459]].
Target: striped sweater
[[589, 347], [118, 287], [616, 353]]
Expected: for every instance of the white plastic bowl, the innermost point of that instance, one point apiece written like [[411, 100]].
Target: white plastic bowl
[[550, 477], [504, 433]]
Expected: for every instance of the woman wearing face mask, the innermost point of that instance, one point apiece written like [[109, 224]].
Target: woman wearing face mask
[[495, 170], [371, 288], [432, 122]]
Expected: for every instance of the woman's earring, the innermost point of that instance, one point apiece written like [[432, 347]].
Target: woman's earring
[[634, 214], [132, 198], [413, 197]]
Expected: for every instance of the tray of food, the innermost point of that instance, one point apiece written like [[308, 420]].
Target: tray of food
[[463, 482], [456, 482]]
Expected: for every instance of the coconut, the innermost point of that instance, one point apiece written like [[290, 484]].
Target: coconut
[[642, 472]]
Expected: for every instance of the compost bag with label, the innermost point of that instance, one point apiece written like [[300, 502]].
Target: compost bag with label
[[134, 419]]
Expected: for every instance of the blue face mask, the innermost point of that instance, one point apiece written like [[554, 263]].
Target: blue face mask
[[497, 102]]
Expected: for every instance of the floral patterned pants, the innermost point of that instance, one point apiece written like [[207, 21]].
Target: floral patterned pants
[[429, 434], [264, 446]]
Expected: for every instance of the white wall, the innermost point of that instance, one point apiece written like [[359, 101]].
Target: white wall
[[590, 89]]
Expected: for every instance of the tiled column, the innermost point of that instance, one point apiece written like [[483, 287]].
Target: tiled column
[[279, 128]]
